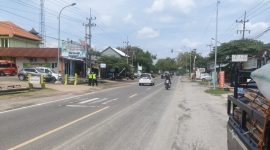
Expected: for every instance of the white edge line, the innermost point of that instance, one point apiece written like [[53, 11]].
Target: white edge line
[[2, 112]]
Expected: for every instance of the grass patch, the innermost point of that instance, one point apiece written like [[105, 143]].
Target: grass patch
[[29, 93], [217, 92], [205, 83]]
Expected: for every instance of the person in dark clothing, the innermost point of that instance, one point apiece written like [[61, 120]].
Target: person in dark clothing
[[167, 77]]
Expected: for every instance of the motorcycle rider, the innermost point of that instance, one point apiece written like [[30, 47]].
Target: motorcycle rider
[[167, 77]]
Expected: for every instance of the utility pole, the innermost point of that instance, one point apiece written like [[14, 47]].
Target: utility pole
[[215, 65], [190, 64], [126, 42], [194, 62], [244, 26], [42, 24], [88, 37]]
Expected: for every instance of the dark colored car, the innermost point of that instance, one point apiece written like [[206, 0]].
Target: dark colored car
[[7, 67], [23, 74]]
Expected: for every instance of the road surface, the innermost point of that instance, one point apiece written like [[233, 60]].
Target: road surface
[[124, 118]]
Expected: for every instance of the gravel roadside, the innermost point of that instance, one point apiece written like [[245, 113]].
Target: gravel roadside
[[193, 120]]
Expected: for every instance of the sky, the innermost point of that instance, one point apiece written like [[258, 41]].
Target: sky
[[153, 25]]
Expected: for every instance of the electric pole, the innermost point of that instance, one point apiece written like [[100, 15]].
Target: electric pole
[[88, 37], [244, 26], [126, 42], [42, 24]]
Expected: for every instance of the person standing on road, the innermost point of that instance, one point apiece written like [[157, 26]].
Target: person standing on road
[[90, 79], [95, 79]]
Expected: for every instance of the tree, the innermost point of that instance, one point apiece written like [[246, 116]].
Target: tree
[[246, 46], [141, 57], [186, 60], [114, 64], [167, 64]]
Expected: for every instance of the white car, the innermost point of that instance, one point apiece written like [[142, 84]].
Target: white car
[[50, 71], [205, 77], [146, 79]]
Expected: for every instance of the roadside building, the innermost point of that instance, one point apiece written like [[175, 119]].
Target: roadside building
[[12, 35], [30, 57], [73, 55], [113, 52], [22, 47], [113, 72]]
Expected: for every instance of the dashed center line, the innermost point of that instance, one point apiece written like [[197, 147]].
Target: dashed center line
[[87, 101], [132, 95], [104, 103]]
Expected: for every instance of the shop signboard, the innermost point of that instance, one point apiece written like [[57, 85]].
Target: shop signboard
[[239, 58], [72, 49], [27, 65], [102, 65]]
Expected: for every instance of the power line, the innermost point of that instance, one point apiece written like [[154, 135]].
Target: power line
[[6, 11]]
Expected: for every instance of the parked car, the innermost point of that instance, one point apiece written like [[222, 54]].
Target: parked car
[[7, 67], [23, 74], [205, 77], [52, 72], [146, 79]]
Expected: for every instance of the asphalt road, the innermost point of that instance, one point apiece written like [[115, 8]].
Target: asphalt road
[[124, 118]]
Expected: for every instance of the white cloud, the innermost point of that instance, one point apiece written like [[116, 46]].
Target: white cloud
[[106, 19], [157, 6], [52, 43], [183, 6], [188, 43], [166, 19], [147, 32], [128, 19], [257, 28]]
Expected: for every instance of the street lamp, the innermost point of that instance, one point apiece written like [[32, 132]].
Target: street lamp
[[58, 54], [216, 40]]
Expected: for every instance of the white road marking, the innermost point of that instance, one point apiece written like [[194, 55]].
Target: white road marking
[[132, 95], [79, 106], [102, 100], [87, 101], [56, 129], [7, 111], [148, 89], [104, 103]]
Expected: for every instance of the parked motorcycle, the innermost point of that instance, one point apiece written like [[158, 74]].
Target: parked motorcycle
[[167, 84]]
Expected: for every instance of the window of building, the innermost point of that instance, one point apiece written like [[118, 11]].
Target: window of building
[[54, 65], [4, 42]]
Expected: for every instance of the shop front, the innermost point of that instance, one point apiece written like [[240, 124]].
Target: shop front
[[73, 56]]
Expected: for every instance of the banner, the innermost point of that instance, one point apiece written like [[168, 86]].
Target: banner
[[221, 79]]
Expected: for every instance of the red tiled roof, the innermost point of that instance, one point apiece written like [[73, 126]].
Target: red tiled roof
[[29, 52], [10, 29]]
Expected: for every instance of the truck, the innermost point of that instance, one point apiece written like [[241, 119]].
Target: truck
[[248, 126]]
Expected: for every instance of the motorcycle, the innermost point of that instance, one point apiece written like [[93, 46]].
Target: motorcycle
[[167, 84]]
